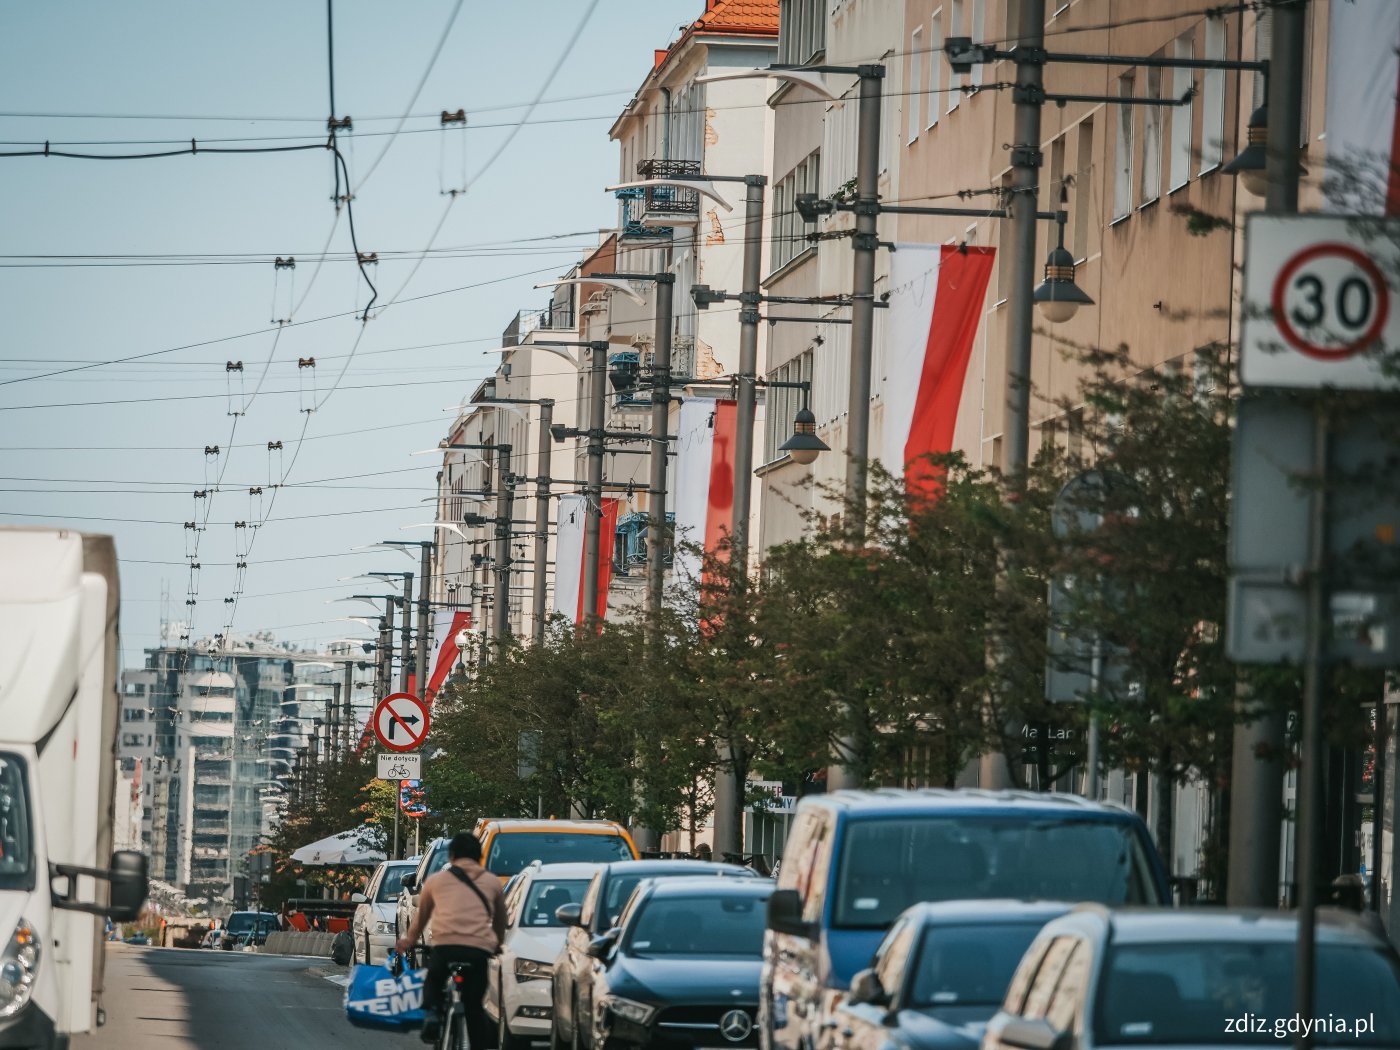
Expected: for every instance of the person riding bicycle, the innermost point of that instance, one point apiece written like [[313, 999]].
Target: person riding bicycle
[[467, 911]]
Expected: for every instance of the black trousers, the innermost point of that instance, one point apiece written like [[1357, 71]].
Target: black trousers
[[473, 962]]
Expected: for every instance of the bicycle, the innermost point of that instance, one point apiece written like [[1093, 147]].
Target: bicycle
[[452, 1034]]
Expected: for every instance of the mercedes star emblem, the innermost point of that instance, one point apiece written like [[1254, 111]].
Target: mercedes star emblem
[[735, 1026]]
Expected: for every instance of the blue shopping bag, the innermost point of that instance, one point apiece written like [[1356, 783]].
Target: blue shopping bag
[[377, 998]]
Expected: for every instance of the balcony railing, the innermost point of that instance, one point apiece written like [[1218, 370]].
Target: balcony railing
[[671, 200]]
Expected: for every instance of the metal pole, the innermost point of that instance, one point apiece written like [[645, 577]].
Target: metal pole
[[1380, 738], [425, 576], [1310, 749], [1021, 241], [660, 446], [995, 770], [405, 632], [728, 808], [593, 490], [347, 714], [541, 581], [386, 650], [500, 606], [1256, 794], [866, 244], [1091, 787]]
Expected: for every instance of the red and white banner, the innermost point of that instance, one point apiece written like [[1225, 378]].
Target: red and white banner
[[937, 298], [1363, 76], [568, 556], [704, 480], [447, 623]]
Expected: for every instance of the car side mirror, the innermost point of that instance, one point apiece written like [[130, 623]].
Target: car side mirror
[[410, 882], [569, 914], [601, 947], [785, 915], [1033, 1035], [358, 898], [129, 883], [866, 988]]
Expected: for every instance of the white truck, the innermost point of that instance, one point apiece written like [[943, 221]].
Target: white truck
[[59, 709]]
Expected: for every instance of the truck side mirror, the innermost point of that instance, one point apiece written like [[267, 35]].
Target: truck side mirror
[[129, 884], [785, 915]]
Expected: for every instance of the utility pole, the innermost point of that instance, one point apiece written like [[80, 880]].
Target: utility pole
[[425, 576], [593, 490], [728, 807], [405, 632], [500, 609], [540, 582], [386, 651], [660, 443], [347, 711]]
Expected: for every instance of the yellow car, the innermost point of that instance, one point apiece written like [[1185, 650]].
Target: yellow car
[[508, 846]]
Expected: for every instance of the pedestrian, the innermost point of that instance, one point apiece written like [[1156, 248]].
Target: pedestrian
[[467, 912]]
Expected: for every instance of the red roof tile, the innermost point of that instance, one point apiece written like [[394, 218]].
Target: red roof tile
[[739, 16]]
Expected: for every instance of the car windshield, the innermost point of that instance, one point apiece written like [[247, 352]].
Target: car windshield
[[512, 851], [391, 883], [244, 921], [889, 863], [716, 925], [967, 965], [1199, 993], [16, 848], [437, 859], [547, 895]]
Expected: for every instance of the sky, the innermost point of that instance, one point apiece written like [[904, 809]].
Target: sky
[[165, 267]]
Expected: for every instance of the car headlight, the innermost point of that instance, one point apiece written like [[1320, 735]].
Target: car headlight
[[383, 927], [19, 965], [629, 1009], [530, 970]]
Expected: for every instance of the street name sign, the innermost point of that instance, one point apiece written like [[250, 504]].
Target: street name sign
[[408, 766], [1319, 302], [401, 722]]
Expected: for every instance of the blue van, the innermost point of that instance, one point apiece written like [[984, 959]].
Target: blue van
[[854, 860]]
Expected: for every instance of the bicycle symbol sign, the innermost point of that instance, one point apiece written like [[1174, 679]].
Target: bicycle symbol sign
[[400, 767]]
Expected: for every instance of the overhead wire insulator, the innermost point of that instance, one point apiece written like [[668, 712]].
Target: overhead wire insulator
[[240, 524], [460, 117], [233, 366], [201, 494], [343, 124], [190, 525], [304, 362], [274, 446], [211, 450], [289, 263], [366, 258]]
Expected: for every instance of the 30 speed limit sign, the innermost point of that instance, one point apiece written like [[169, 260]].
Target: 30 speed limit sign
[[1317, 303]]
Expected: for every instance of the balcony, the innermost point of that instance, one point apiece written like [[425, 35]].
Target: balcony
[[630, 544], [655, 211]]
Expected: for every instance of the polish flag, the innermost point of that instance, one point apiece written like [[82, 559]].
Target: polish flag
[[937, 295], [704, 480], [445, 629], [1363, 129], [568, 556]]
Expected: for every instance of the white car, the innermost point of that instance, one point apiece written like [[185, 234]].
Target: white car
[[373, 926], [518, 996]]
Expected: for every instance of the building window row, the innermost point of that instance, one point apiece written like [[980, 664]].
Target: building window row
[[789, 231], [801, 30]]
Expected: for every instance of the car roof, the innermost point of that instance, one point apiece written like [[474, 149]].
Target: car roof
[[989, 912], [586, 827], [411, 862], [901, 801], [667, 867], [1242, 925], [707, 886]]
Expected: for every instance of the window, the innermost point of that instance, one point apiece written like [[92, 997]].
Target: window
[[1083, 183], [133, 714], [936, 65], [801, 30], [1123, 152], [1213, 100], [211, 716], [915, 93], [1182, 116], [955, 28], [789, 232], [963, 966], [726, 924], [547, 895], [1151, 139]]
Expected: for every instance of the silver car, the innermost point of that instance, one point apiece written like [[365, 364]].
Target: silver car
[[373, 924], [1195, 978]]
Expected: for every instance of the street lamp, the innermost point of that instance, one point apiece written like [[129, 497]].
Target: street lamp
[[1251, 163], [804, 446], [1058, 297]]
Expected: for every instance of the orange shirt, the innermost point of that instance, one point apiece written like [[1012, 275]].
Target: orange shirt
[[457, 915]]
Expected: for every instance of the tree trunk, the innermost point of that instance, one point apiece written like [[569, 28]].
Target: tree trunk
[[739, 765], [1166, 797]]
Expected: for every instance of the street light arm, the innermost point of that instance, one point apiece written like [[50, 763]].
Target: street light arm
[[625, 287], [385, 546], [449, 526], [807, 78], [705, 187], [556, 350]]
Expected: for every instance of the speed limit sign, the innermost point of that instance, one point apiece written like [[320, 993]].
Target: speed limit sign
[[1317, 302]]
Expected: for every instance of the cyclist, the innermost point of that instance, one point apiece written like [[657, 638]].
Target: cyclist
[[467, 911]]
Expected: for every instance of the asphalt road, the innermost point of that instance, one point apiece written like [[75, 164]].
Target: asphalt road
[[179, 999]]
